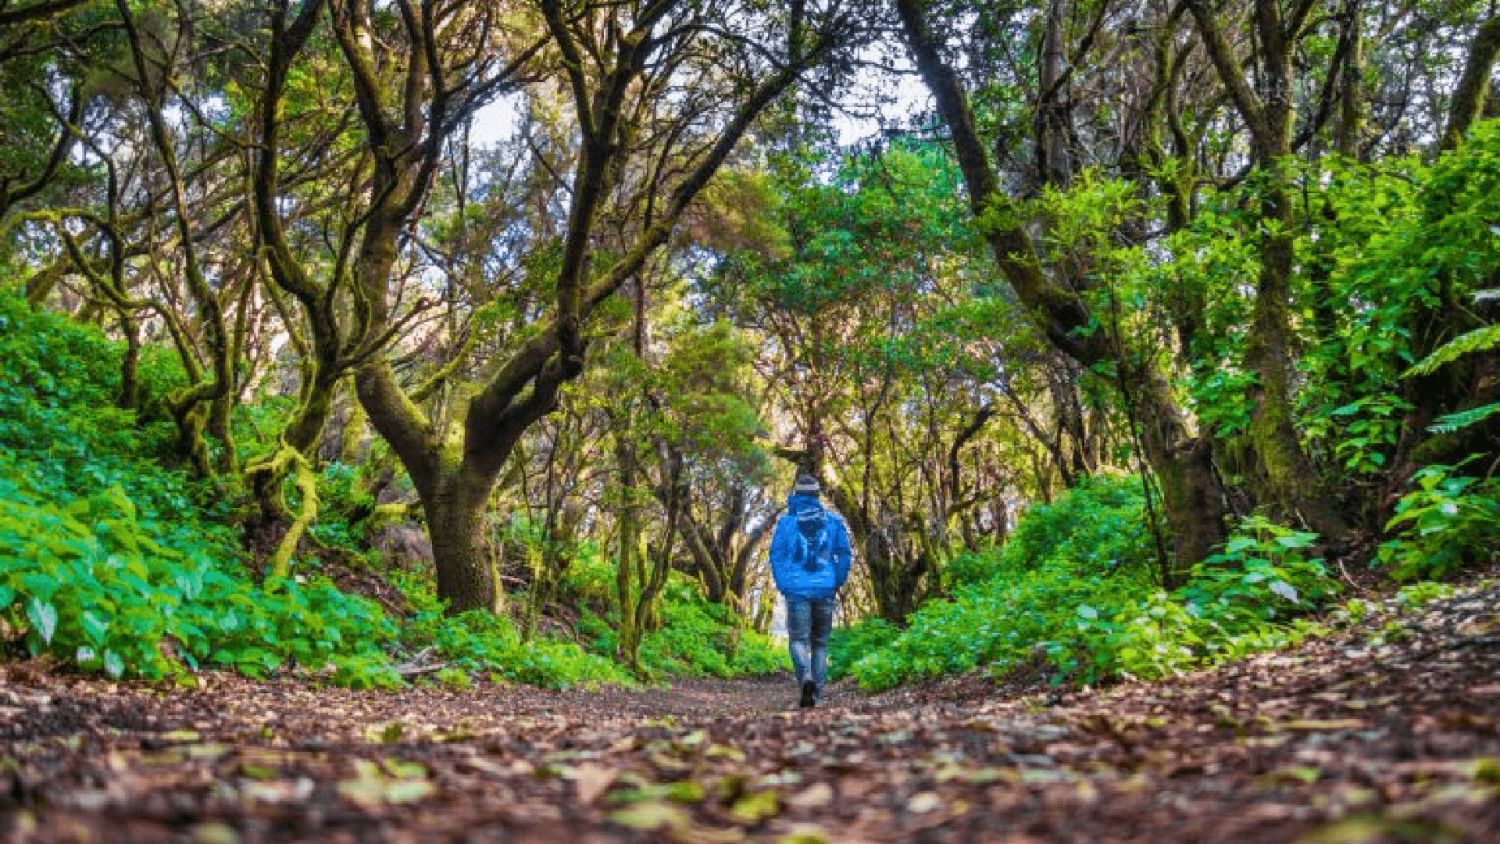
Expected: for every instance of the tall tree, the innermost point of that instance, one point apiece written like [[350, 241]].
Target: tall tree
[[615, 62], [1179, 457]]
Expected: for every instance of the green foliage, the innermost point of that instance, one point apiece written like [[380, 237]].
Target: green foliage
[[108, 561], [1060, 597], [1417, 595], [1459, 420], [1478, 340], [487, 644], [695, 638], [1446, 521], [1097, 526], [1261, 577], [849, 644], [699, 638], [1385, 253], [1065, 567]]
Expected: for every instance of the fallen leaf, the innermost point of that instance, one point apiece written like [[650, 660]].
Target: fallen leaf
[[755, 807], [805, 835], [815, 796], [651, 816], [1317, 726], [592, 781], [921, 804]]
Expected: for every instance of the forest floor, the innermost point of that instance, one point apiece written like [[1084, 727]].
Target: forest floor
[[1386, 731]]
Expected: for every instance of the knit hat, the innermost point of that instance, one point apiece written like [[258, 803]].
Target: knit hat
[[807, 485]]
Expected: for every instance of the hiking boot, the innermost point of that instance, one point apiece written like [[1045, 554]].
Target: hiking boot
[[809, 695]]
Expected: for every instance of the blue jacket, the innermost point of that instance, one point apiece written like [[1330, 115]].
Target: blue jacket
[[821, 573]]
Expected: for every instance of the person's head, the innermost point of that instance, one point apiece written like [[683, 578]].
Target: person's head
[[807, 485]]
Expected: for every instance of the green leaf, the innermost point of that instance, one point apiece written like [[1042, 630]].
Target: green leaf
[[94, 627], [40, 586], [1285, 590], [1478, 340], [1297, 540], [1452, 422], [651, 816], [43, 619], [754, 808], [114, 664]]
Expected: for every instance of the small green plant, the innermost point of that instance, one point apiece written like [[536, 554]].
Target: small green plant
[[1261, 576], [1354, 611], [1446, 521], [1418, 595]]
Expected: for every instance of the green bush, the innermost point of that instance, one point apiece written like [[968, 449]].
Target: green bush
[[700, 638], [1095, 527], [1245, 599], [696, 637], [109, 562], [1073, 593], [848, 644], [1447, 521], [484, 643]]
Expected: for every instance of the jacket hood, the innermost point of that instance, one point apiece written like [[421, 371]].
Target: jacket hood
[[798, 502]]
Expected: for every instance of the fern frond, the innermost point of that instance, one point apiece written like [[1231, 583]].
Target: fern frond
[[1477, 340], [1463, 419]]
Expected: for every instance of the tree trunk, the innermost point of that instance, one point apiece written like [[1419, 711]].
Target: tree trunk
[[1474, 83], [628, 644], [1283, 477], [455, 520]]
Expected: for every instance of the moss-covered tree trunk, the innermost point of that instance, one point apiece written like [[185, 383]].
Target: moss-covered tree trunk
[[455, 510], [1283, 477], [627, 564]]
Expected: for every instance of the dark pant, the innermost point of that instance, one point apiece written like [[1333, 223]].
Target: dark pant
[[808, 623]]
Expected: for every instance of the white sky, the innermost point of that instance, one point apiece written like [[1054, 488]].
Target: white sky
[[900, 97]]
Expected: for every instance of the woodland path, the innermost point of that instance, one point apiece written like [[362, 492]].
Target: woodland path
[[1387, 731]]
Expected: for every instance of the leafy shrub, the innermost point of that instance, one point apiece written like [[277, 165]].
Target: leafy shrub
[[696, 637], [700, 638], [1445, 522], [1262, 576], [109, 562], [848, 644], [1006, 621], [1245, 599], [1096, 526], [1091, 619], [479, 642], [486, 643]]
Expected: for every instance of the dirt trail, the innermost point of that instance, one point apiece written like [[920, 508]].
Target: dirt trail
[[1381, 733]]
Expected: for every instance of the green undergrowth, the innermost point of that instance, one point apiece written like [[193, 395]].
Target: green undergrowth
[[692, 637], [484, 644], [114, 562], [1072, 595]]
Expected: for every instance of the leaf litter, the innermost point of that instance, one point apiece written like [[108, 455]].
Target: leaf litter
[[1351, 738]]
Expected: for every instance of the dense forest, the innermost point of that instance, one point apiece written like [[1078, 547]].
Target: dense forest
[[473, 344], [1204, 292]]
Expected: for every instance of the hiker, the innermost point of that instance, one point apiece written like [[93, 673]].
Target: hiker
[[810, 562]]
